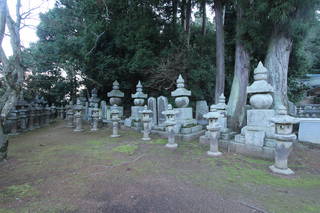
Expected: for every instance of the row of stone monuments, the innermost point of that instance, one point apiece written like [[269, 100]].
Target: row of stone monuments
[[268, 133], [28, 116]]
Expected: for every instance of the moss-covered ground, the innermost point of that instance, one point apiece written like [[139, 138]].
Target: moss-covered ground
[[54, 169]]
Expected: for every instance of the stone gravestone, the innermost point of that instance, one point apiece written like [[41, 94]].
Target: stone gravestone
[[103, 110], [309, 130], [152, 105], [162, 105], [201, 109]]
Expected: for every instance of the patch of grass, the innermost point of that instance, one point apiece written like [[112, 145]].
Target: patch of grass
[[6, 211], [256, 161], [18, 192], [160, 141], [95, 142], [128, 149], [240, 174]]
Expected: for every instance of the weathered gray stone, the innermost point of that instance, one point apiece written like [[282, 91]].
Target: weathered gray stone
[[309, 130], [170, 123], [201, 109], [115, 94], [78, 116], [181, 94], [152, 105], [146, 120], [162, 105], [213, 127], [115, 122]]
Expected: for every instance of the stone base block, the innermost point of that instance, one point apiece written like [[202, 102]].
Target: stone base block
[[184, 113], [171, 146], [254, 137], [281, 171], [214, 154], [135, 112], [78, 130], [250, 150], [114, 136], [259, 117], [179, 136]]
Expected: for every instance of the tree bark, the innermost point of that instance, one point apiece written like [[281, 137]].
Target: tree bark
[[183, 14], [238, 95], [220, 61], [204, 17], [174, 11], [277, 62], [188, 21], [13, 71]]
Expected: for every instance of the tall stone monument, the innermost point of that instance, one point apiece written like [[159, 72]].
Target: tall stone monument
[[115, 96], [255, 137], [138, 100]]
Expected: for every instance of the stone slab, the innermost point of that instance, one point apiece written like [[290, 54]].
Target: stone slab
[[309, 131], [259, 117], [184, 114]]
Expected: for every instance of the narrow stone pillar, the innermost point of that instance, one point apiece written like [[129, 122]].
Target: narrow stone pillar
[[23, 119], [36, 116], [95, 118], [213, 127], [31, 117], [170, 124], [70, 115], [146, 123], [47, 113], [78, 116], [115, 122], [13, 117]]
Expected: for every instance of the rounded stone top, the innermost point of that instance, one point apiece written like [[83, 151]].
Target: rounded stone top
[[139, 94], [180, 82], [170, 111], [115, 92], [212, 115], [180, 91], [282, 117], [260, 84], [115, 85], [145, 110]]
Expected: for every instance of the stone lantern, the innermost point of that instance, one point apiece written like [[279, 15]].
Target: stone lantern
[[284, 138], [170, 124], [213, 128], [95, 118], [93, 101], [70, 114], [78, 116], [146, 119], [115, 118]]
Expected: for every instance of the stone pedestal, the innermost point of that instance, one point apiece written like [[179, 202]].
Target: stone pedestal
[[281, 155]]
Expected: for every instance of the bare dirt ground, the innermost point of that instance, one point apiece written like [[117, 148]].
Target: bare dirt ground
[[53, 169]]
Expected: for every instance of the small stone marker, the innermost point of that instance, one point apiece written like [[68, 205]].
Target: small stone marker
[[115, 122], [162, 105]]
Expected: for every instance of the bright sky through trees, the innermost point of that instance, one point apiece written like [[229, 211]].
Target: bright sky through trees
[[28, 32]]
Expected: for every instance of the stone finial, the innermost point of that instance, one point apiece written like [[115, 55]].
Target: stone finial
[[180, 82], [260, 89], [115, 94], [139, 96], [181, 93]]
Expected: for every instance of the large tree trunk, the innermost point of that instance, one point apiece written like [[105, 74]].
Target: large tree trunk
[[13, 71], [220, 64], [174, 11], [238, 95], [183, 14], [277, 62], [204, 16], [188, 21]]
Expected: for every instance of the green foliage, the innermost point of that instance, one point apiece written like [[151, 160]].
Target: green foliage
[[94, 42]]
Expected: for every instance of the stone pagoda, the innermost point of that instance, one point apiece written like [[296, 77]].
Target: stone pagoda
[[115, 96], [138, 100], [255, 137], [186, 127]]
